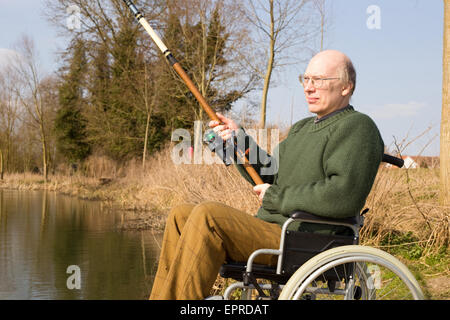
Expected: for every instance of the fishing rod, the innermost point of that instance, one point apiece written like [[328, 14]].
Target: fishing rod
[[215, 142]]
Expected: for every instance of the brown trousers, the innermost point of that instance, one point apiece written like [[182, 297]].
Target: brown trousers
[[198, 239]]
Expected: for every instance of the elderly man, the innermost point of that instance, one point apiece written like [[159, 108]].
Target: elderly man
[[327, 165]]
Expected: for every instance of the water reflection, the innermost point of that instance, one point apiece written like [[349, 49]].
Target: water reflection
[[42, 234]]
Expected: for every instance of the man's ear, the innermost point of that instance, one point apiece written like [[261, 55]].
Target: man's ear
[[347, 89]]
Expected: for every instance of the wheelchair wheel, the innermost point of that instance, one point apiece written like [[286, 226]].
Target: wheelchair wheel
[[352, 273]]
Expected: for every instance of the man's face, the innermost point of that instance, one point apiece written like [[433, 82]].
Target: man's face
[[332, 95]]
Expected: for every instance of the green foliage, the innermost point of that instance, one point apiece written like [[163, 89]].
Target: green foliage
[[71, 142], [403, 244], [69, 123], [99, 82]]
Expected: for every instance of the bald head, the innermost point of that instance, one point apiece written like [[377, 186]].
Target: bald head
[[336, 62]]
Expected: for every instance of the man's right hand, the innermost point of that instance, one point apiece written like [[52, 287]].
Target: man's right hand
[[225, 129]]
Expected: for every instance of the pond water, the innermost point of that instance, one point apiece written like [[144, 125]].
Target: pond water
[[58, 247]]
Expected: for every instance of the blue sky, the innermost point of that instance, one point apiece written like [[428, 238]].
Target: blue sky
[[19, 17], [399, 66]]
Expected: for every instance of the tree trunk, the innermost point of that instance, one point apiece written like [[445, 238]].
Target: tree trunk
[[445, 120], [147, 124], [44, 148], [144, 153], [322, 27], [1, 164], [262, 122], [44, 160]]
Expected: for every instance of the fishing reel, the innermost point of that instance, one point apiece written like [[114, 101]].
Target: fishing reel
[[225, 150]]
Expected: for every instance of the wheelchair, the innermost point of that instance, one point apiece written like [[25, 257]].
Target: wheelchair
[[318, 266]]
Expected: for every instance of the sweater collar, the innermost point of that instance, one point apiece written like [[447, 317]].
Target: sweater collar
[[332, 117], [317, 120]]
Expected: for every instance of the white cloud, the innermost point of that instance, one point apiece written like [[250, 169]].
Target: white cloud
[[395, 110], [6, 55]]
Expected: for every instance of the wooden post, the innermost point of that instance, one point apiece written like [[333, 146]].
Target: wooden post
[[445, 119]]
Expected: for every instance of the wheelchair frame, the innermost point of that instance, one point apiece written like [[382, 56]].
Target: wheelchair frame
[[249, 279], [333, 263]]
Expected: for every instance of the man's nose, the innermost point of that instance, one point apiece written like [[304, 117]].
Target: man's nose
[[309, 87]]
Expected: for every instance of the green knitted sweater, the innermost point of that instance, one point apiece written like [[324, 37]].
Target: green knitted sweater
[[325, 168]]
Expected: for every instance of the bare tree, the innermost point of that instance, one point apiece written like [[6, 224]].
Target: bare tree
[[284, 25], [148, 110], [29, 92], [324, 16], [445, 120], [9, 113], [149, 102]]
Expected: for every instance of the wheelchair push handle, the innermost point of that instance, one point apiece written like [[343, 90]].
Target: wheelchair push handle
[[393, 160]]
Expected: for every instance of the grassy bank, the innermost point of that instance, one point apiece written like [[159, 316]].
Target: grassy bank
[[404, 218]]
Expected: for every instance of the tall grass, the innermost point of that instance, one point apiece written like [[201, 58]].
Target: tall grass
[[405, 202]]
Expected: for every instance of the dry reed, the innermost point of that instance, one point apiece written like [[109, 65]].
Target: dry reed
[[405, 201]]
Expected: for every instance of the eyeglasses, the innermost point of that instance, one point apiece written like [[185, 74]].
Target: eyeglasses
[[316, 82]]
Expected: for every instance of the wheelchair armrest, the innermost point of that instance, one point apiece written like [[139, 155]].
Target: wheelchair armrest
[[308, 217]]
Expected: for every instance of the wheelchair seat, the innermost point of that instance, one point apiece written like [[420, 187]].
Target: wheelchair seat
[[302, 215]]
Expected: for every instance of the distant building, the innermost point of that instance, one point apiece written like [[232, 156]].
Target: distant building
[[414, 162], [409, 163]]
